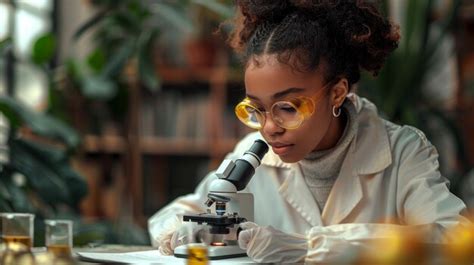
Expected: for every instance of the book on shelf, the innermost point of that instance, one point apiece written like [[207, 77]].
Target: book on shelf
[[173, 115], [165, 179]]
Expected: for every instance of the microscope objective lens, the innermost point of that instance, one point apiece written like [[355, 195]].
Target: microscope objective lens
[[220, 208]]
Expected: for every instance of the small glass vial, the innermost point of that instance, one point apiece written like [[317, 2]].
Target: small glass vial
[[197, 254]]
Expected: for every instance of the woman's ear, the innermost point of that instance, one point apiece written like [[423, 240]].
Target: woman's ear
[[339, 92]]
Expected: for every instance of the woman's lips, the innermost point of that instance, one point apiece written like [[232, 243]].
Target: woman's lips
[[281, 149]]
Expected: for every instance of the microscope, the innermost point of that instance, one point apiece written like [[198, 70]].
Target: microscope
[[227, 207]]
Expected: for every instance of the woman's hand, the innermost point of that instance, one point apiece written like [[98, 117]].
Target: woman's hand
[[267, 244], [180, 236]]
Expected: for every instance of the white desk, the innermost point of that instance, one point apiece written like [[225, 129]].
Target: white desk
[[148, 257]]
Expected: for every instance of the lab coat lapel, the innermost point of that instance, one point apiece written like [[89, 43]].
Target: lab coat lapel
[[294, 189], [297, 194], [368, 153], [345, 194]]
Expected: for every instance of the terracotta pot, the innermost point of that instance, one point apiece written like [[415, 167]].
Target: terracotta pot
[[200, 53]]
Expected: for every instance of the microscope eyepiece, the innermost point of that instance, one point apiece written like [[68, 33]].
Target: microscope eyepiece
[[245, 166], [259, 148]]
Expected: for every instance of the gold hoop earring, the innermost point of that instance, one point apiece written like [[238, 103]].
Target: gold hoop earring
[[334, 113]]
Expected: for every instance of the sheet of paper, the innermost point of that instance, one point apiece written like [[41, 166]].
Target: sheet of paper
[[148, 257]]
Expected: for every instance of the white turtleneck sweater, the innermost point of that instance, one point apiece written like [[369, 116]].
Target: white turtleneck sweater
[[321, 168]]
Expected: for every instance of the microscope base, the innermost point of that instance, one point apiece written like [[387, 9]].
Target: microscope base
[[214, 252]]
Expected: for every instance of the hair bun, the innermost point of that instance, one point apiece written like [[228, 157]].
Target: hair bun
[[268, 10], [314, 5], [364, 30], [350, 35]]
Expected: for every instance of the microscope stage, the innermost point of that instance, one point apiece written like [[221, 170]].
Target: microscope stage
[[214, 252]]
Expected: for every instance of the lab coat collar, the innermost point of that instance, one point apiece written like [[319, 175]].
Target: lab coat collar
[[372, 152], [297, 194]]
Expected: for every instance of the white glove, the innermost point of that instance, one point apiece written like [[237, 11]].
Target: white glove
[[185, 234], [162, 232], [269, 245], [180, 235]]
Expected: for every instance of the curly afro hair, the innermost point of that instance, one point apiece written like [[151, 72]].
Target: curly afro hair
[[346, 35]]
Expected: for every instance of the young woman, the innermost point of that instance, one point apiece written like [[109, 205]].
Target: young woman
[[337, 173]]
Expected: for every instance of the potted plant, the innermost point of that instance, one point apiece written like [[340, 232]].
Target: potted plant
[[202, 44]]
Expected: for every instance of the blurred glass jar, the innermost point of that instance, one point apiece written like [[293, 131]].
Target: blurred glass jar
[[459, 249], [16, 253]]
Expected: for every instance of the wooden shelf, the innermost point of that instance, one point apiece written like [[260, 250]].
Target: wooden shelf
[[183, 146], [186, 75], [104, 144], [158, 145]]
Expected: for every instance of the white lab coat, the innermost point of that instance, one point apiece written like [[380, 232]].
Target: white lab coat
[[390, 175]]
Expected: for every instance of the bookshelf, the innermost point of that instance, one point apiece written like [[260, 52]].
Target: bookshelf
[[189, 122]]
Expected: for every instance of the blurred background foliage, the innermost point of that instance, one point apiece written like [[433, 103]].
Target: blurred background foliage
[[399, 90], [125, 35], [36, 174]]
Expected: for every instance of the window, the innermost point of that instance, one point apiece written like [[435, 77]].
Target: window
[[23, 21]]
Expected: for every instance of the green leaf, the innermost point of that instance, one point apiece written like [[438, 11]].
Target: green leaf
[[96, 60], [4, 45], [173, 16], [43, 49], [146, 68], [119, 59], [5, 206], [10, 108], [94, 20], [56, 163], [4, 193], [98, 87], [73, 69], [148, 74], [41, 124], [57, 104], [28, 159], [219, 8], [415, 21], [127, 21], [18, 200], [75, 182]]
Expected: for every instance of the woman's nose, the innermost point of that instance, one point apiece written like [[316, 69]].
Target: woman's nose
[[270, 127]]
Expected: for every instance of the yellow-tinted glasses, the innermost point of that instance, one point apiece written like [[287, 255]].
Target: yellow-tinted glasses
[[288, 114]]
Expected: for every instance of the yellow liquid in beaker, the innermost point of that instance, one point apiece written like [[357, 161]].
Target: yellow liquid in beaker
[[60, 250], [25, 240], [197, 254]]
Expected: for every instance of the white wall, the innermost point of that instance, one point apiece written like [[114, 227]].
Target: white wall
[[72, 14]]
